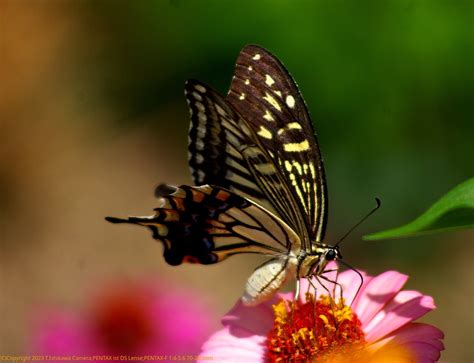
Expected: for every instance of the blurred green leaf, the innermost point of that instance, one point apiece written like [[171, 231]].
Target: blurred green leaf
[[453, 211]]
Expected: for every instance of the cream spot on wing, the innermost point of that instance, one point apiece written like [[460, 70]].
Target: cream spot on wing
[[201, 132], [290, 126], [199, 158], [278, 93], [247, 81], [219, 110], [200, 106], [230, 149], [162, 230], [256, 57], [234, 164], [245, 182], [294, 125], [272, 101], [202, 117], [242, 96], [243, 127], [296, 147], [290, 101], [199, 145], [202, 188], [250, 68], [164, 203], [293, 179], [297, 166], [197, 96], [200, 88], [268, 116], [264, 132], [269, 80], [228, 124], [200, 176], [267, 168]]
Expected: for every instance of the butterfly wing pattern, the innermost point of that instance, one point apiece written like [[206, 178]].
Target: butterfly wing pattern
[[266, 95], [205, 224], [260, 179], [217, 135]]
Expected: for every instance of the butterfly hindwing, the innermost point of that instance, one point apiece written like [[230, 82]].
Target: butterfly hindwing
[[216, 135], [266, 96], [207, 224]]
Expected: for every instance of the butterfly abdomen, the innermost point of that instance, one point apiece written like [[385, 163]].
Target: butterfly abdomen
[[267, 279]]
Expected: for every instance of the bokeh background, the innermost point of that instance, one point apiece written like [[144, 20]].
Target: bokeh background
[[92, 118]]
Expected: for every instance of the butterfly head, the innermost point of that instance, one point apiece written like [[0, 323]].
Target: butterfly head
[[332, 253], [315, 263]]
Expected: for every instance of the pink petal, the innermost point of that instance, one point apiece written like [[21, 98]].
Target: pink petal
[[425, 352], [376, 294], [350, 282], [401, 298], [417, 332], [255, 320], [397, 314], [227, 346]]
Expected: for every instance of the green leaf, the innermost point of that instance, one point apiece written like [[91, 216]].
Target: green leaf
[[453, 211]]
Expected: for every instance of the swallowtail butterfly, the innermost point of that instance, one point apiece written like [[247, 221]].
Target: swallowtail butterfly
[[260, 180]]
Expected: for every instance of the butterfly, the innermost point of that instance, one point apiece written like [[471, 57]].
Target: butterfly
[[259, 176]]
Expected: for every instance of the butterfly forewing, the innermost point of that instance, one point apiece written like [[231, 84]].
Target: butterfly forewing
[[266, 96], [244, 165], [207, 224]]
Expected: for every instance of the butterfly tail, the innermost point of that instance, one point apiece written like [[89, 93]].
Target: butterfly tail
[[130, 220], [159, 230]]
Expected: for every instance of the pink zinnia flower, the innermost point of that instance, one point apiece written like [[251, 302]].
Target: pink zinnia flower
[[125, 318], [374, 326]]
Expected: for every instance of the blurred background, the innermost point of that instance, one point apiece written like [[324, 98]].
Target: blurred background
[[92, 118]]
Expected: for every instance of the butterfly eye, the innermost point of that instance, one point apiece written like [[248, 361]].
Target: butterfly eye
[[330, 255]]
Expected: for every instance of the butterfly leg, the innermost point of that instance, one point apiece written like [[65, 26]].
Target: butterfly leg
[[297, 291], [324, 286], [295, 299], [311, 283], [332, 299], [335, 284]]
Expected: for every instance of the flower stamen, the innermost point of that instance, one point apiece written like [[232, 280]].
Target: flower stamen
[[313, 330]]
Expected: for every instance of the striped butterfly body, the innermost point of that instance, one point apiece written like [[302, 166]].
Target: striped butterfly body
[[260, 180]]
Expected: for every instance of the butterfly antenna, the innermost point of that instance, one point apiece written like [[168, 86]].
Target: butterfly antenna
[[377, 206]]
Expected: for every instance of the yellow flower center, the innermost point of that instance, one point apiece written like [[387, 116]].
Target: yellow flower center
[[319, 330]]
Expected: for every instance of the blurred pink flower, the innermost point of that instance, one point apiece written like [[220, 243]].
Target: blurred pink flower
[[375, 326], [125, 318]]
